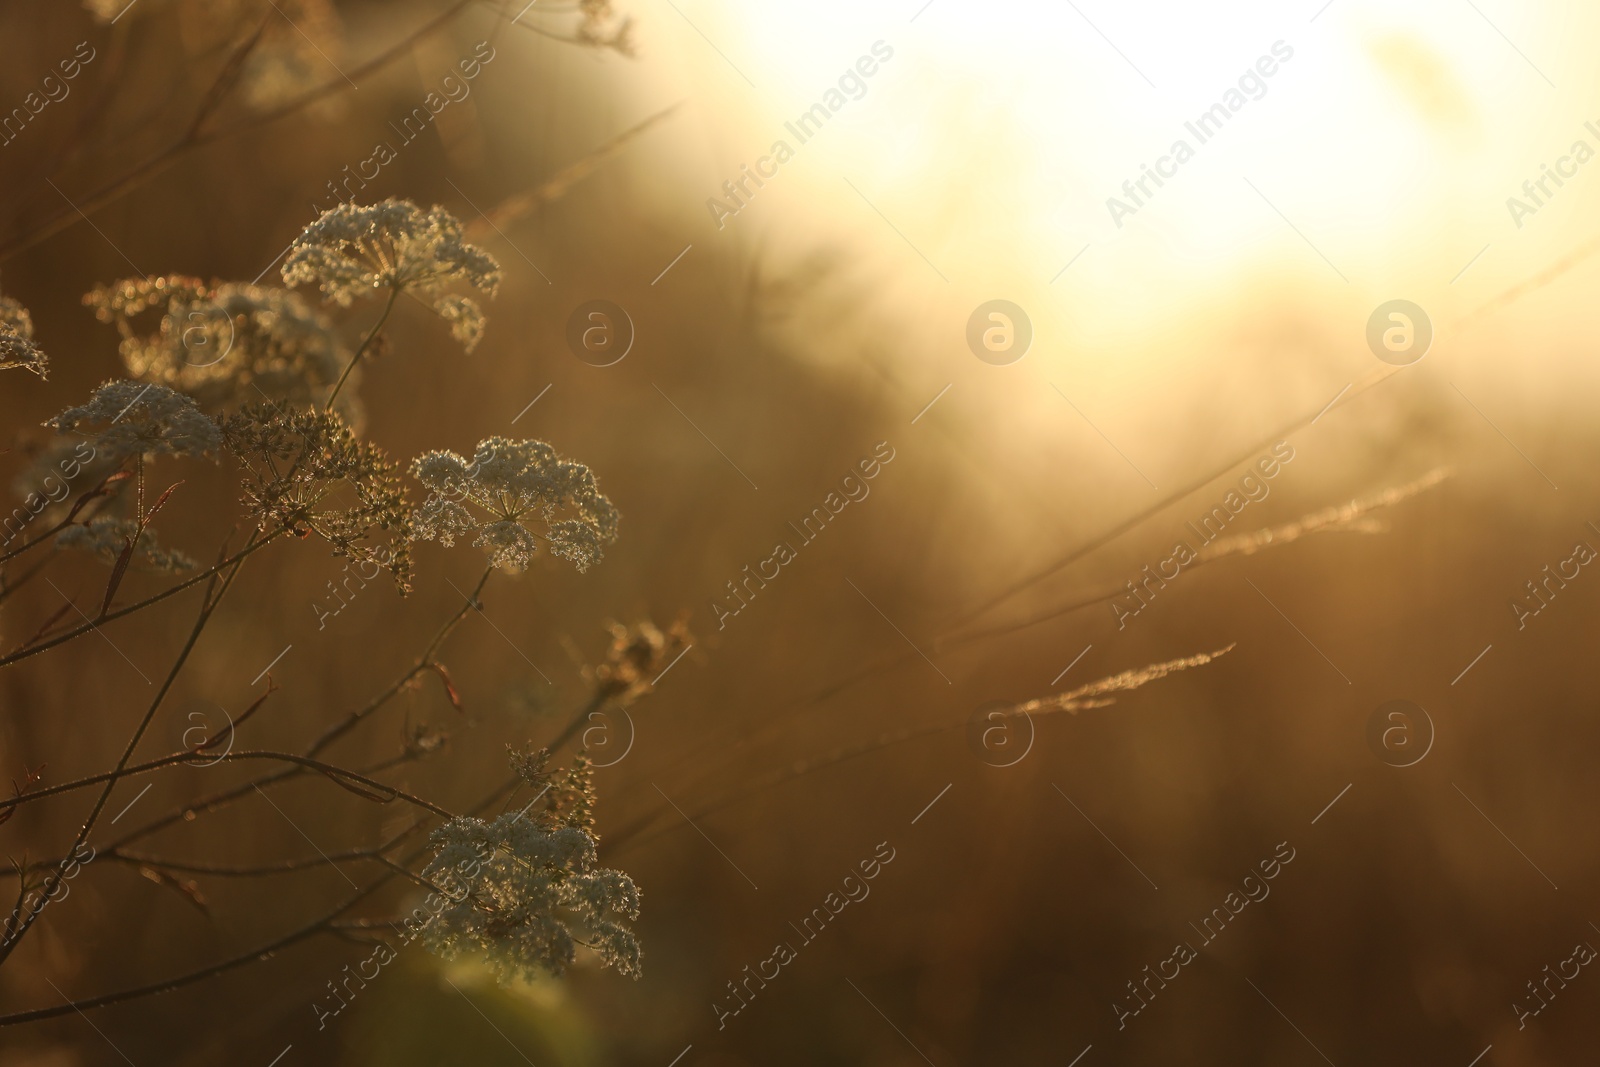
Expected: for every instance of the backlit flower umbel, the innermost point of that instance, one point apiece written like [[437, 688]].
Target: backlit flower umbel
[[526, 889], [226, 345], [126, 418], [307, 472], [512, 495], [357, 250], [16, 340]]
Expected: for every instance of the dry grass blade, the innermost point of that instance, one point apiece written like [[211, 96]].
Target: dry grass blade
[[1352, 517], [227, 78], [514, 207], [1090, 695], [93, 494], [1521, 289], [1074, 701], [120, 569]]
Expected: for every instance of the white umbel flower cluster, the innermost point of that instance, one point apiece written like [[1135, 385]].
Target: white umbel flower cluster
[[521, 905], [465, 317], [357, 250], [16, 340], [224, 346], [510, 495], [126, 418], [108, 538]]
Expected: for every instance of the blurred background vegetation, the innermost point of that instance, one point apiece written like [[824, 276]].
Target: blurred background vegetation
[[796, 339]]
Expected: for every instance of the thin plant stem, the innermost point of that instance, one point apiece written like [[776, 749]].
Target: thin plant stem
[[307, 762], [195, 137], [216, 800], [9, 588], [67, 520], [323, 924], [354, 718], [79, 631], [349, 722], [236, 871], [394, 294], [213, 599], [596, 702], [45, 536], [167, 985], [224, 870], [211, 803]]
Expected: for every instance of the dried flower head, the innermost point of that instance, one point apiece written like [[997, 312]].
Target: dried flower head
[[395, 246], [309, 474], [141, 418], [601, 28], [224, 346], [532, 766], [571, 798], [526, 889], [637, 656], [422, 740], [568, 799], [510, 495], [108, 538], [16, 340], [466, 319], [294, 53]]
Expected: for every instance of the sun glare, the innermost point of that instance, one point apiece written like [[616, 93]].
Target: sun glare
[[1344, 144]]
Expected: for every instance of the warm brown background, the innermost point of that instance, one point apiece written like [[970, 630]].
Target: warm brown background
[[1402, 932]]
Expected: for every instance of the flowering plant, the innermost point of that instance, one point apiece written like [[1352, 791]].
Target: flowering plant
[[253, 377]]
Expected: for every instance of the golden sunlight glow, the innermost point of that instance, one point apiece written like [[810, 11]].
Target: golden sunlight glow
[[1371, 136]]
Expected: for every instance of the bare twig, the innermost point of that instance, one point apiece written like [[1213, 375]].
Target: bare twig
[[354, 718], [323, 924], [195, 136], [78, 631], [339, 775], [213, 598]]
